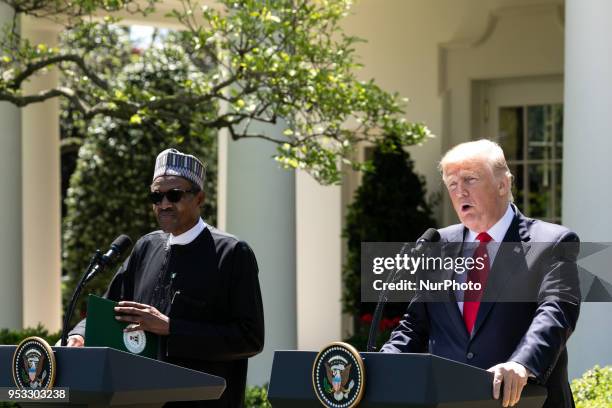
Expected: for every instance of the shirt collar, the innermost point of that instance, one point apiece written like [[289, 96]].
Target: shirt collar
[[188, 236], [497, 231]]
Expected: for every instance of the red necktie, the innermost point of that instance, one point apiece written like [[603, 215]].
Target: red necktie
[[471, 298]]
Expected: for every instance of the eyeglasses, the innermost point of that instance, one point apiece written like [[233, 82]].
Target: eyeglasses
[[174, 196]]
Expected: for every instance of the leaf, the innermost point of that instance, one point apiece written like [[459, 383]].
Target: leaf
[[135, 120]]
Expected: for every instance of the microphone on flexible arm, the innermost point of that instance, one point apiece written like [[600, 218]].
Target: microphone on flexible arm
[[431, 235], [119, 245], [97, 264]]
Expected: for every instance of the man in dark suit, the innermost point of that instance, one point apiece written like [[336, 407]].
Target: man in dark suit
[[518, 323], [195, 286]]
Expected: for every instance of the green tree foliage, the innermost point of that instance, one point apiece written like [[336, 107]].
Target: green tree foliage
[[594, 388], [389, 206], [108, 192], [256, 61]]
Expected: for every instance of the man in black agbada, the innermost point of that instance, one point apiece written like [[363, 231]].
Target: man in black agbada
[[192, 284]]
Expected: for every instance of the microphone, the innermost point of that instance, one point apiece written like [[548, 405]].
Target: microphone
[[97, 264], [431, 235], [119, 245]]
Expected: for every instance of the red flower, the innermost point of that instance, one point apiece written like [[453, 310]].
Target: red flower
[[366, 318], [389, 323]]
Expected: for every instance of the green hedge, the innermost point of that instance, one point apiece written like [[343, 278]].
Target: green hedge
[[257, 397], [594, 389], [8, 336]]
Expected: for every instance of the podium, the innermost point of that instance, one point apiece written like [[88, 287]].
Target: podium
[[100, 377], [396, 380]]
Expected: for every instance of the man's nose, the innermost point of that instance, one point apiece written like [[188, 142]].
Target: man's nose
[[165, 203], [461, 191]]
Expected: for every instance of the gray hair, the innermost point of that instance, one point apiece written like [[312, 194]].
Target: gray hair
[[479, 149]]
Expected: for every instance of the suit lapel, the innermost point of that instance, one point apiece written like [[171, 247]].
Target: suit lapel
[[453, 248], [507, 261]]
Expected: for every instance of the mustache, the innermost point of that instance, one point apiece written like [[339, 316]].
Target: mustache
[[166, 211]]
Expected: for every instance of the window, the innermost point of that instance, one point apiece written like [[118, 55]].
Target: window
[[532, 139]]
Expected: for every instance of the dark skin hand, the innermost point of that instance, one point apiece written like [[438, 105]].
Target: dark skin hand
[[142, 317]]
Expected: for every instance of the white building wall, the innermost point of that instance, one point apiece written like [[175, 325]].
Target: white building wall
[[10, 216], [403, 54], [40, 143], [260, 209], [587, 191], [319, 263]]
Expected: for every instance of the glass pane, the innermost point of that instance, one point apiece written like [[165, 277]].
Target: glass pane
[[559, 175], [558, 113], [518, 185], [539, 131], [510, 135], [540, 187]]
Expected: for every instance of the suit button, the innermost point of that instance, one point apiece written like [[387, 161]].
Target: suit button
[[470, 355]]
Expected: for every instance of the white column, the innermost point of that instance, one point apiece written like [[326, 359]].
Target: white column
[[260, 209], [41, 196], [319, 262], [587, 191], [10, 216]]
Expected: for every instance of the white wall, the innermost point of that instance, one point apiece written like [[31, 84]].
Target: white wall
[[260, 209], [30, 268], [40, 143], [586, 186], [10, 216], [319, 263], [405, 50]]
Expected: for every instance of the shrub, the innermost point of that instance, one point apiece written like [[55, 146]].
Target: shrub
[[8, 336], [257, 397], [389, 206], [594, 388]]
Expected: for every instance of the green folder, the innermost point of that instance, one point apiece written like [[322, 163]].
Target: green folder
[[103, 330]]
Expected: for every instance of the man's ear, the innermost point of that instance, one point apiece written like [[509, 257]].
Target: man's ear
[[200, 198], [504, 186]]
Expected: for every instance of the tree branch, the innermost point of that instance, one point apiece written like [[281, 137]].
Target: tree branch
[[236, 136], [77, 59], [21, 101]]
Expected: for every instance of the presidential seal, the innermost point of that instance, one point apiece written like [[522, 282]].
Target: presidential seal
[[135, 341], [34, 364], [338, 376]]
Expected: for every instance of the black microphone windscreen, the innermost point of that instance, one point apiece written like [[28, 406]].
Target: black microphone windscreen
[[431, 235], [121, 243]]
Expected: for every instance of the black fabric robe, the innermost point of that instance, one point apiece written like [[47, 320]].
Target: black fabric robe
[[209, 288]]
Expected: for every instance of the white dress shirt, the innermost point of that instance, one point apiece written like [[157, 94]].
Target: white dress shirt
[[188, 236]]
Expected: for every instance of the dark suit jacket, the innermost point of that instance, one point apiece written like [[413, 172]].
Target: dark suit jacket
[[213, 301], [531, 307]]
